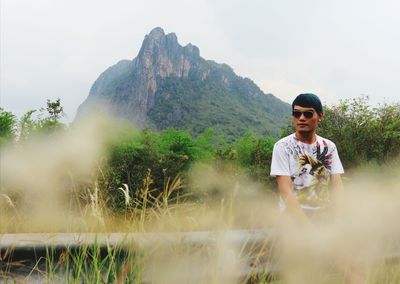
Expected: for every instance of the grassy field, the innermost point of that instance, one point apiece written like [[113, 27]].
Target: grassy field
[[45, 190], [306, 255]]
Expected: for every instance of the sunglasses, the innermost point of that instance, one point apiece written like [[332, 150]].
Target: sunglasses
[[307, 114]]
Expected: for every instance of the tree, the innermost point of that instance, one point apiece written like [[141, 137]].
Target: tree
[[27, 125], [55, 110], [8, 123], [254, 154], [363, 134], [47, 121], [51, 121]]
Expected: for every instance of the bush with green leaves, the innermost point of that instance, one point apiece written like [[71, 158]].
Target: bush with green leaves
[[363, 134], [47, 121], [8, 126], [165, 154], [254, 154]]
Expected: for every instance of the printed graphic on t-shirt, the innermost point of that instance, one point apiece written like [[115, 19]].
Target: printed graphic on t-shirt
[[312, 179]]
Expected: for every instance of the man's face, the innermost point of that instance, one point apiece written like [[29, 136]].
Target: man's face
[[305, 119]]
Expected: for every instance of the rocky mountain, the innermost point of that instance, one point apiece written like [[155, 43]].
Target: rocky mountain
[[169, 85]]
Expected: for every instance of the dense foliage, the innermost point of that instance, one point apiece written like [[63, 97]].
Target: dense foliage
[[361, 133], [194, 105], [8, 125], [148, 158], [172, 152], [47, 121]]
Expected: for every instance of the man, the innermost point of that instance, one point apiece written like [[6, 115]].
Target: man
[[307, 167]]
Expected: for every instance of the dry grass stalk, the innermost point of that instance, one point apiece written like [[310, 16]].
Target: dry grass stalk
[[8, 201], [125, 191]]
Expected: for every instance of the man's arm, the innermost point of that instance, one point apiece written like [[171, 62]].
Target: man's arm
[[336, 184], [287, 194], [336, 187]]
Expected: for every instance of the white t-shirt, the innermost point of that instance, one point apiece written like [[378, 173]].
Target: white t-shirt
[[309, 166]]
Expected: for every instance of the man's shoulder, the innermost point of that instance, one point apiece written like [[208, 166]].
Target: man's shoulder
[[285, 140], [326, 141]]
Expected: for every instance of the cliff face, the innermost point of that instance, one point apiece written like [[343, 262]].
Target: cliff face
[[169, 85]]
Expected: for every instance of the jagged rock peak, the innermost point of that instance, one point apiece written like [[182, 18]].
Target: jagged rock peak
[[170, 85], [192, 49], [157, 37], [156, 33]]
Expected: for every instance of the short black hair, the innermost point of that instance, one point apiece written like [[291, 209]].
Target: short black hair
[[308, 100]]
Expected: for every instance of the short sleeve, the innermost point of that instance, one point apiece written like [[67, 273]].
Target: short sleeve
[[336, 166], [280, 161]]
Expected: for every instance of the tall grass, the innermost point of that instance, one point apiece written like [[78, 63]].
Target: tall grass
[[85, 264], [40, 195], [220, 260]]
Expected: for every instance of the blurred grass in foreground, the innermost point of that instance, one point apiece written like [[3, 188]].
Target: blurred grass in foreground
[[48, 190]]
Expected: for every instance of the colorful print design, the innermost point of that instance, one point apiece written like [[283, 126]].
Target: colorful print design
[[312, 179]]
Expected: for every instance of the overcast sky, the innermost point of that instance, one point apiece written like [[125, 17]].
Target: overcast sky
[[337, 49]]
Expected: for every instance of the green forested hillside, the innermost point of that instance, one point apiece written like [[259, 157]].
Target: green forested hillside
[[194, 105]]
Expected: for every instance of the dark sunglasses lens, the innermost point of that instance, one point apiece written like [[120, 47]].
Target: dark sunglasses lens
[[307, 114], [296, 114]]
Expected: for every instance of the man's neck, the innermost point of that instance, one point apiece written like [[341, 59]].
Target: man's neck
[[306, 137]]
